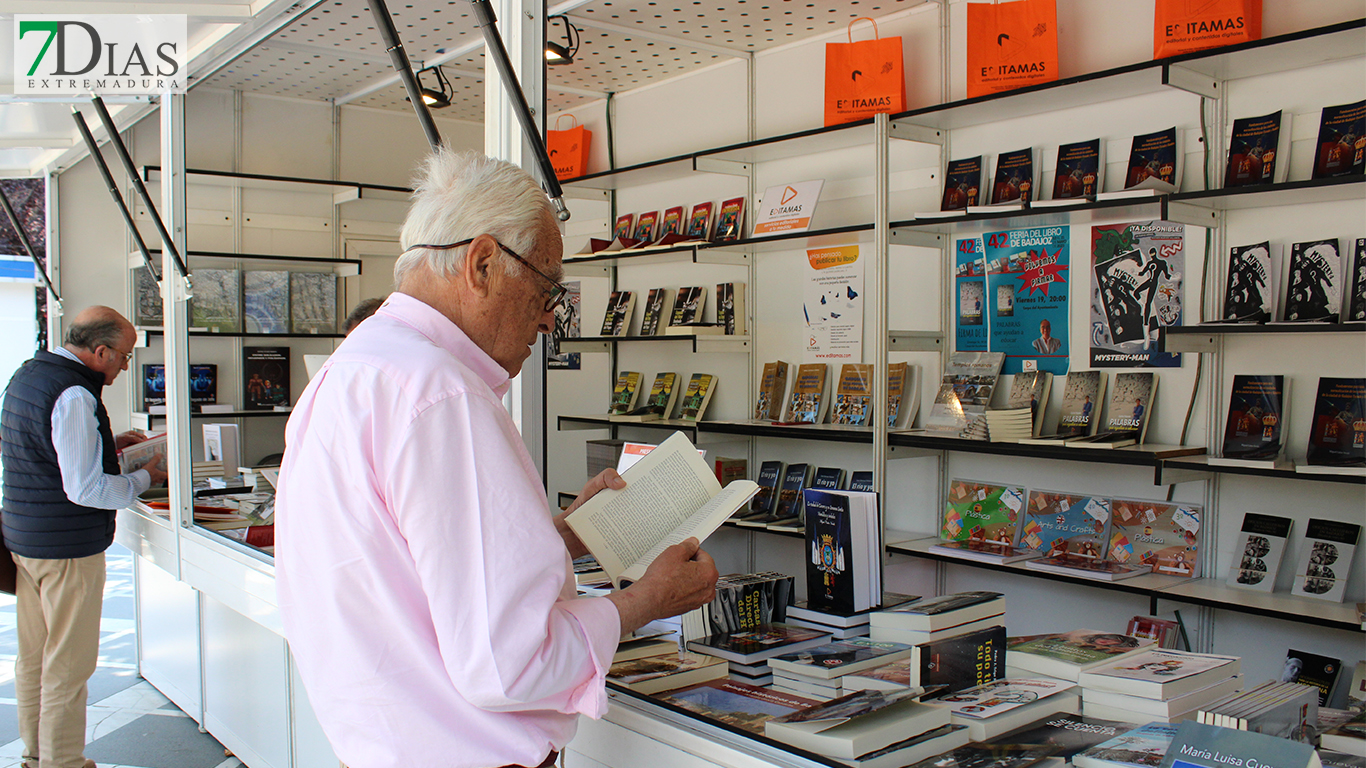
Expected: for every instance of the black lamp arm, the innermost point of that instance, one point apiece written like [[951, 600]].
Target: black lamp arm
[[399, 58], [113, 188]]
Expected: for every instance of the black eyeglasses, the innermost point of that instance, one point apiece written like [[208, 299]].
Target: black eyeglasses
[[557, 292]]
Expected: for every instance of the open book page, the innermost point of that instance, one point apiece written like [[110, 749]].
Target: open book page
[[664, 490], [700, 524]]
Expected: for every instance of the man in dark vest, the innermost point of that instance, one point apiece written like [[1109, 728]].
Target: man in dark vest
[[61, 488]]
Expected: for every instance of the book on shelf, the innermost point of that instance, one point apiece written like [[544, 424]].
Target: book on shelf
[[678, 669], [1325, 559], [1196, 745], [133, 456], [1354, 304], [828, 478], [737, 704], [960, 661], [747, 600], [1142, 747], [730, 220], [1257, 555], [1161, 536], [962, 182], [1068, 733], [644, 229], [203, 385], [1004, 705], [658, 405], [1259, 150], [1017, 177], [624, 226], [768, 406], [153, 386], [731, 313], [1337, 434], [1155, 162], [1314, 292], [1255, 427], [965, 391], [977, 515], [672, 223], [836, 659], [1310, 669], [843, 550], [146, 299], [624, 393], [861, 480], [730, 469], [933, 614], [1160, 673], [1136, 709], [655, 302], [616, 320], [312, 302], [770, 477], [265, 376], [854, 395], [222, 447], [857, 724], [217, 302], [671, 490], [759, 644], [688, 306], [701, 387], [699, 221], [903, 394], [1079, 414], [1339, 150], [1080, 171], [1126, 419], [1065, 655], [1253, 284], [1030, 390], [787, 511], [265, 301], [807, 403]]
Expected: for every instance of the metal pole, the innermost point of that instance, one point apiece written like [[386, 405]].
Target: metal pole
[[95, 155], [28, 247], [493, 45], [399, 57], [117, 142]]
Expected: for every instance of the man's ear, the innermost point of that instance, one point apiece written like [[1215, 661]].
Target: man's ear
[[478, 269]]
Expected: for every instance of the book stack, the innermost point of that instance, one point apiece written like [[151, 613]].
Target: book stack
[[743, 601], [665, 672], [1010, 425], [819, 671], [869, 728], [750, 650], [990, 710], [1276, 709], [737, 704], [958, 641], [1145, 746], [1067, 734], [1158, 685], [603, 454], [841, 625], [937, 618], [1066, 655]]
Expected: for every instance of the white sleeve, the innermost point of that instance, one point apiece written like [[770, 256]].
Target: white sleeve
[[80, 450]]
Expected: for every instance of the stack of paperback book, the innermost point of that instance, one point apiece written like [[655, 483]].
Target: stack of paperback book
[[749, 651], [1003, 705], [1066, 655], [1158, 685], [744, 601], [1066, 734], [602, 454], [840, 624], [958, 641], [938, 618], [1283, 710], [819, 671], [1145, 746], [736, 703], [664, 672], [869, 728]]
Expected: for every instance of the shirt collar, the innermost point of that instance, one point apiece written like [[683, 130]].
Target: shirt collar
[[68, 354], [445, 334]]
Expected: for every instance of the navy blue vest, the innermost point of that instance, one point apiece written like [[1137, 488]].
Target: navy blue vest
[[39, 520]]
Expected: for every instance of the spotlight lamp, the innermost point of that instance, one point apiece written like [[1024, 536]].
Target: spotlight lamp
[[555, 53], [439, 97]]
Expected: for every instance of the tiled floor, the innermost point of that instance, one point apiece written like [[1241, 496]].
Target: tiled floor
[[129, 723]]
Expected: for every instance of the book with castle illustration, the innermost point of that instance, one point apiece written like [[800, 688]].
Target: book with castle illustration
[[670, 495], [1259, 150]]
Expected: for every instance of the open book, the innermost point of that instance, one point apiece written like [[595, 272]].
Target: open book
[[670, 495]]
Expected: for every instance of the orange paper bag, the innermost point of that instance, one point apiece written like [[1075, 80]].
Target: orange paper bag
[[1182, 26], [568, 149], [1011, 45], [863, 78]]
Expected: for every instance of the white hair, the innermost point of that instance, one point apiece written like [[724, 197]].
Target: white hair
[[461, 195]]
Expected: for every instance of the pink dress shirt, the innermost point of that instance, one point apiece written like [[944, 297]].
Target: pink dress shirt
[[428, 600]]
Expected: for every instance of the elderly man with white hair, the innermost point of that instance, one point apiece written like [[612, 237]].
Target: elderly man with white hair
[[426, 590]]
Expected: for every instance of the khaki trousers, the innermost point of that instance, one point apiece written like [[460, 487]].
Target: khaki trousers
[[59, 605]]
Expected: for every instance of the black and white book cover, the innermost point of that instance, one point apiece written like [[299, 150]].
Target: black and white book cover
[[1355, 310], [265, 377], [616, 321], [962, 183], [656, 303], [688, 305], [1015, 177], [1325, 559], [1257, 555], [1314, 292], [1252, 287], [964, 661], [1313, 670], [1337, 436], [1256, 418], [1258, 150], [1341, 148], [1079, 170], [1117, 281]]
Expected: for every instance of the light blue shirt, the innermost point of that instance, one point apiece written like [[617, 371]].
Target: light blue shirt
[[81, 459]]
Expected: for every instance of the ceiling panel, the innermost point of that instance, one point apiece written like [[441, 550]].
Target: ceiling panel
[[613, 62]]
